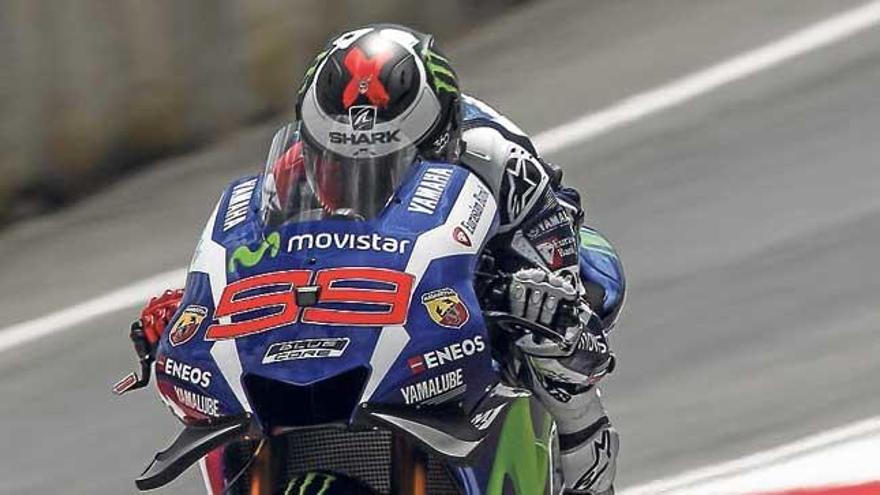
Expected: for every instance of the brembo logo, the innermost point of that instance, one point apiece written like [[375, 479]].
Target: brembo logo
[[383, 137]]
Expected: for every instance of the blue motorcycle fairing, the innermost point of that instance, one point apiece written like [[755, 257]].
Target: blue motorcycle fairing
[[437, 248]]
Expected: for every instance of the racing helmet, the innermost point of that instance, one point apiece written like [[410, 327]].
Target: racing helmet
[[374, 101]]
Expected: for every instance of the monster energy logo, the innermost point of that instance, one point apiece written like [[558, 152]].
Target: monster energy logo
[[244, 256], [311, 70], [303, 484], [441, 71]]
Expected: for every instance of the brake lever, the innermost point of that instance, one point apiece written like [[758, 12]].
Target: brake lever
[[132, 381], [547, 348], [554, 344]]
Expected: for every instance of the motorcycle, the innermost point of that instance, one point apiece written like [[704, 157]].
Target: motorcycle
[[332, 356]]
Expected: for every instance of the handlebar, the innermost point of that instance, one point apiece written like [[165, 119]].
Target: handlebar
[[520, 329]]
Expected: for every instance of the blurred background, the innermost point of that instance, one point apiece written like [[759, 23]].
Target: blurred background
[[748, 218], [92, 88]]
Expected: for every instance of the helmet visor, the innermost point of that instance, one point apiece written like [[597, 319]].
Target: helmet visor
[[356, 187]]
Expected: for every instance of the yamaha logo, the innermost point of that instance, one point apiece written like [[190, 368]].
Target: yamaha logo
[[362, 117]]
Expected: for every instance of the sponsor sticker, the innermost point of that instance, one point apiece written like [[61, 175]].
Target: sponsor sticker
[[558, 252], [245, 256], [184, 372], [448, 354], [461, 237], [355, 242], [305, 349], [208, 406], [462, 232], [553, 238], [483, 420], [547, 224], [444, 306], [435, 390], [429, 190], [477, 206], [187, 324], [239, 200]]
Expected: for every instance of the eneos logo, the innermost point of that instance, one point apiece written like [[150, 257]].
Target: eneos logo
[[448, 354]]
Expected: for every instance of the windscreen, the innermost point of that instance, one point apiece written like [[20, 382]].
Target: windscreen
[[306, 182]]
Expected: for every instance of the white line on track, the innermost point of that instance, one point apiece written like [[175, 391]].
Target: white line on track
[[126, 297], [811, 38], [640, 106], [831, 457]]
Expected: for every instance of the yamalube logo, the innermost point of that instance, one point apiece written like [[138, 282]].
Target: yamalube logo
[[435, 390], [208, 406], [362, 117], [445, 308]]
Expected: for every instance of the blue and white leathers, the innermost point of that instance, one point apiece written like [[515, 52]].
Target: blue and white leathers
[[531, 200]]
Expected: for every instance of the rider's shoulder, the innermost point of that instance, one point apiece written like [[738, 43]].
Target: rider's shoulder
[[492, 142], [503, 156], [476, 112]]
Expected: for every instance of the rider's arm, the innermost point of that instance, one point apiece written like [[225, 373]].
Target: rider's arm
[[538, 240], [539, 244]]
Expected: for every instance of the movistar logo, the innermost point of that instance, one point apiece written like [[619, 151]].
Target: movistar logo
[[244, 256], [356, 242]]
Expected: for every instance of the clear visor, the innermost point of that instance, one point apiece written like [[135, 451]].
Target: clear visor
[[356, 187], [304, 182]]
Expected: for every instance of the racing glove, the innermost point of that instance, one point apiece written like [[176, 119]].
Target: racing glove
[[582, 356], [145, 333], [157, 314], [564, 373]]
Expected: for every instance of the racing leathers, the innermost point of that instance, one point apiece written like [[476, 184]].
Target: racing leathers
[[553, 258]]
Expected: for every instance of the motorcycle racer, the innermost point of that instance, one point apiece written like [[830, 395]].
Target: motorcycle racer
[[379, 98]]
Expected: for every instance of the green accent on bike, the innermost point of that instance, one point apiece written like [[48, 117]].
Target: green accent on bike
[[594, 241], [307, 483], [610, 254], [522, 455], [244, 256], [437, 65], [311, 70]]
